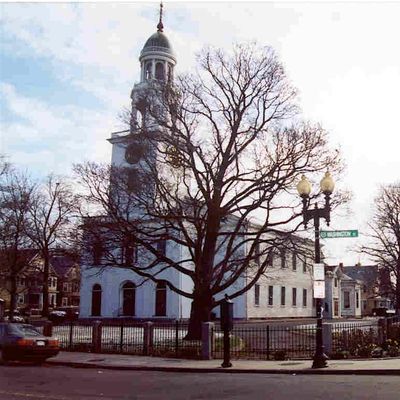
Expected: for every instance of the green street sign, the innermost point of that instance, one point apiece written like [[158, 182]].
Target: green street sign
[[338, 234]]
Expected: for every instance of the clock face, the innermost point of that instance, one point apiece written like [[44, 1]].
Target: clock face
[[134, 152]]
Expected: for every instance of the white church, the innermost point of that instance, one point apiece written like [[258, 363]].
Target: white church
[[119, 293]]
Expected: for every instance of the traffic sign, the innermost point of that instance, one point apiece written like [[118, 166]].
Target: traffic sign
[[338, 234]]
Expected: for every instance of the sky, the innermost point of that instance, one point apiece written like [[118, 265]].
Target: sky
[[67, 69]]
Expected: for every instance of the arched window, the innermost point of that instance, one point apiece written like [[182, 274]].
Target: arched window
[[128, 298], [160, 73], [161, 299], [147, 71], [96, 300]]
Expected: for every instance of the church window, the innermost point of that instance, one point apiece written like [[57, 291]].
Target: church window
[[97, 252], [128, 299], [96, 300], [129, 253], [161, 299], [162, 246], [160, 73], [170, 72], [147, 70]]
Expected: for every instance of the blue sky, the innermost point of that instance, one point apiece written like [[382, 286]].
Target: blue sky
[[66, 71]]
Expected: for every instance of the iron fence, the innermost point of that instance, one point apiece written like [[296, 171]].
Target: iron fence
[[354, 338], [169, 340], [123, 337], [74, 336], [267, 342]]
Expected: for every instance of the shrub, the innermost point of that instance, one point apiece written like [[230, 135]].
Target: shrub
[[280, 355]]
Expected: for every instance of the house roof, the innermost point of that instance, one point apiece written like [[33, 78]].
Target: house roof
[[366, 273], [62, 263]]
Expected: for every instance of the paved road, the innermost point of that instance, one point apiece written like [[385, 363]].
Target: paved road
[[25, 382]]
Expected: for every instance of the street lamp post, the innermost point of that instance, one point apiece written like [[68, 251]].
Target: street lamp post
[[304, 189]]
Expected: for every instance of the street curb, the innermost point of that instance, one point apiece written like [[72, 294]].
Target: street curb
[[228, 370]]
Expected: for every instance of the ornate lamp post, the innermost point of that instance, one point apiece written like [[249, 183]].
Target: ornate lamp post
[[304, 189]]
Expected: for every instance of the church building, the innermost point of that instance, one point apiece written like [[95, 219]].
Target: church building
[[115, 292]]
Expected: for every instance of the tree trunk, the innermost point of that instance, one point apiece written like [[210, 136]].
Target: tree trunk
[[13, 295], [200, 312], [45, 290], [397, 296]]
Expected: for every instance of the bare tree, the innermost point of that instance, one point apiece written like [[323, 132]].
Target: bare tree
[[15, 197], [384, 245], [51, 213], [220, 155]]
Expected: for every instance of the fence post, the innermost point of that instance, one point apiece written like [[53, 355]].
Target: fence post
[[382, 330], [176, 337], [268, 343], [147, 338], [206, 340], [327, 337], [48, 328], [71, 335], [96, 337]]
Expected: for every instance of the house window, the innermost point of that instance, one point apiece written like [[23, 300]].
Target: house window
[[294, 297], [294, 261], [270, 295], [304, 267], [357, 300], [128, 298], [161, 299], [270, 256], [283, 258], [257, 294], [283, 295], [257, 252], [346, 299], [64, 301], [96, 300], [336, 282], [65, 286], [304, 297]]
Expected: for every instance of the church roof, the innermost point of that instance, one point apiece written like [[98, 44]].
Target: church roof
[[157, 43]]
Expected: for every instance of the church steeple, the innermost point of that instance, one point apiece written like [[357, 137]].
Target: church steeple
[[160, 26]]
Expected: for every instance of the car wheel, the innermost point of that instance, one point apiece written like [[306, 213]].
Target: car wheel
[[3, 357]]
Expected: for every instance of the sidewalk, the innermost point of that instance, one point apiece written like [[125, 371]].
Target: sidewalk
[[389, 366]]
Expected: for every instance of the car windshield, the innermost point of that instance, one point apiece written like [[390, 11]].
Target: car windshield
[[26, 330]]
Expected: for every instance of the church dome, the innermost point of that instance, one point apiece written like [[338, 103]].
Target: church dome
[[157, 43]]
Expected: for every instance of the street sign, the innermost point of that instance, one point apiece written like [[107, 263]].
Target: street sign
[[319, 272], [319, 289], [338, 234]]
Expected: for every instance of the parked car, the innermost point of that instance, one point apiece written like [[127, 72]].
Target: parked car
[[17, 317], [24, 343], [62, 314], [383, 312]]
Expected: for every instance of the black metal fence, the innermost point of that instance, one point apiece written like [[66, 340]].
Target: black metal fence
[[124, 337], [267, 342], [74, 336], [354, 339], [248, 340]]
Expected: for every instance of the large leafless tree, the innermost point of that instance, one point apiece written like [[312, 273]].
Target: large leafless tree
[[16, 191], [217, 178], [384, 243], [52, 209]]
